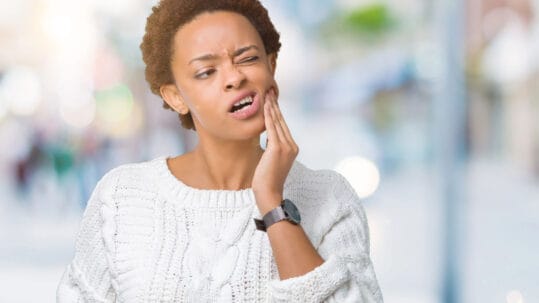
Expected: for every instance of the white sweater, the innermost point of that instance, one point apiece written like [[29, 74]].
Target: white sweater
[[147, 237]]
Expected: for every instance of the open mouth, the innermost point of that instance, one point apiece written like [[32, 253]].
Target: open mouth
[[242, 104]]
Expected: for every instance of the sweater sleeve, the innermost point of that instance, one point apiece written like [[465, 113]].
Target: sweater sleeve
[[347, 275], [87, 277]]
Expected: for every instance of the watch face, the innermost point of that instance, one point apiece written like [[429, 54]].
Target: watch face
[[292, 211]]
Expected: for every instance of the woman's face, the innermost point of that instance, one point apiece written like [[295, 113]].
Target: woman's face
[[220, 60]]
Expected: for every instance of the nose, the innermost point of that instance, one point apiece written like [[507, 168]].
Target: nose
[[234, 77]]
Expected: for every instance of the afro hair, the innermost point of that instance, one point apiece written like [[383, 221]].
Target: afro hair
[[169, 15]]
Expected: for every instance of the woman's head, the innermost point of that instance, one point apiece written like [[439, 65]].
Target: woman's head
[[179, 30]]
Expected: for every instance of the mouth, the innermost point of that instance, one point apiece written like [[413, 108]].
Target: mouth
[[246, 107], [243, 104]]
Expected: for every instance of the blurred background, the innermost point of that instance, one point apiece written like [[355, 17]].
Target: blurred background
[[429, 108]]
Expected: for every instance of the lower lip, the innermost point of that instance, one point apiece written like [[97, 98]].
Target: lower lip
[[249, 111]]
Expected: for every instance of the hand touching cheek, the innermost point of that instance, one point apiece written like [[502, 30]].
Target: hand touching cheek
[[275, 164]]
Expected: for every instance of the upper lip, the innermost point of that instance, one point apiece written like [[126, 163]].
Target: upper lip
[[239, 98]]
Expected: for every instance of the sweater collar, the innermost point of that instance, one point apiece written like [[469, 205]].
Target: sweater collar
[[192, 197]]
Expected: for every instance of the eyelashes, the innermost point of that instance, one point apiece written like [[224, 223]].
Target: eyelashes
[[204, 74], [250, 59]]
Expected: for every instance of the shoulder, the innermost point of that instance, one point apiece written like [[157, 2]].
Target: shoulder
[[325, 184], [324, 198], [129, 176]]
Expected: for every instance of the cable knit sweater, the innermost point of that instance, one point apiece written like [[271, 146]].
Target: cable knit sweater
[[147, 237]]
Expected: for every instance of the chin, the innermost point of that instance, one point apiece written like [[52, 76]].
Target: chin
[[251, 130]]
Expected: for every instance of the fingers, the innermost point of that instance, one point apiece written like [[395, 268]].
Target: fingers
[[279, 127], [280, 121], [270, 127]]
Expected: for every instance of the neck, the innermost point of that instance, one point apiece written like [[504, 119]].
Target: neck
[[228, 165]]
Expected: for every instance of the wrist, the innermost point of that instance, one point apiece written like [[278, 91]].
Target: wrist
[[287, 210], [267, 202]]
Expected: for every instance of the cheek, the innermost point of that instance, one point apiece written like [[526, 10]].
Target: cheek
[[196, 103], [272, 83], [265, 77]]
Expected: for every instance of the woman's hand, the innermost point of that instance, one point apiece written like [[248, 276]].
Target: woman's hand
[[275, 163]]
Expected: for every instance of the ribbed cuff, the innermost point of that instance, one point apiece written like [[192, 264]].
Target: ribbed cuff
[[314, 286]]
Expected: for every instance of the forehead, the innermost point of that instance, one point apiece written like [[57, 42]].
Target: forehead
[[214, 32]]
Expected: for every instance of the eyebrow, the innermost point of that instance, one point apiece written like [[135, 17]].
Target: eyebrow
[[236, 53]]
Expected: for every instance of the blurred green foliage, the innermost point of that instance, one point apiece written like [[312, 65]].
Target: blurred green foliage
[[374, 18], [117, 92], [370, 23]]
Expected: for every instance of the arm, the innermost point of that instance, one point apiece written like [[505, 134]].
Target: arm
[[292, 250], [340, 270], [87, 277], [346, 275]]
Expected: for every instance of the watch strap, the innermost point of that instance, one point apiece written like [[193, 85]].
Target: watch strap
[[273, 216], [260, 225]]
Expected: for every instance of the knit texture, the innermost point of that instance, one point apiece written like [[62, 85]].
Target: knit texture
[[147, 237]]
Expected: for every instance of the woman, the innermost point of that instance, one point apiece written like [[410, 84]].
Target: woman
[[227, 221]]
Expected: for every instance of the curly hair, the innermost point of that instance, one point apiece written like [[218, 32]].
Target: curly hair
[[169, 15]]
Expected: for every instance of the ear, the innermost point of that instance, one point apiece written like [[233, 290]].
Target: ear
[[173, 98], [272, 62]]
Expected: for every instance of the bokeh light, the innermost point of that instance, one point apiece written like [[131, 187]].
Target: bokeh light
[[362, 174], [117, 114], [20, 91], [514, 296], [79, 114]]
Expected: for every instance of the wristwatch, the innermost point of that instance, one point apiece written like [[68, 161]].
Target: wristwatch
[[286, 211]]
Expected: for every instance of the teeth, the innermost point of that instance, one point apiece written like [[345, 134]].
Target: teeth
[[244, 100]]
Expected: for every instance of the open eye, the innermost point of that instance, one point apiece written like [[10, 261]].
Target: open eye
[[205, 74]]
